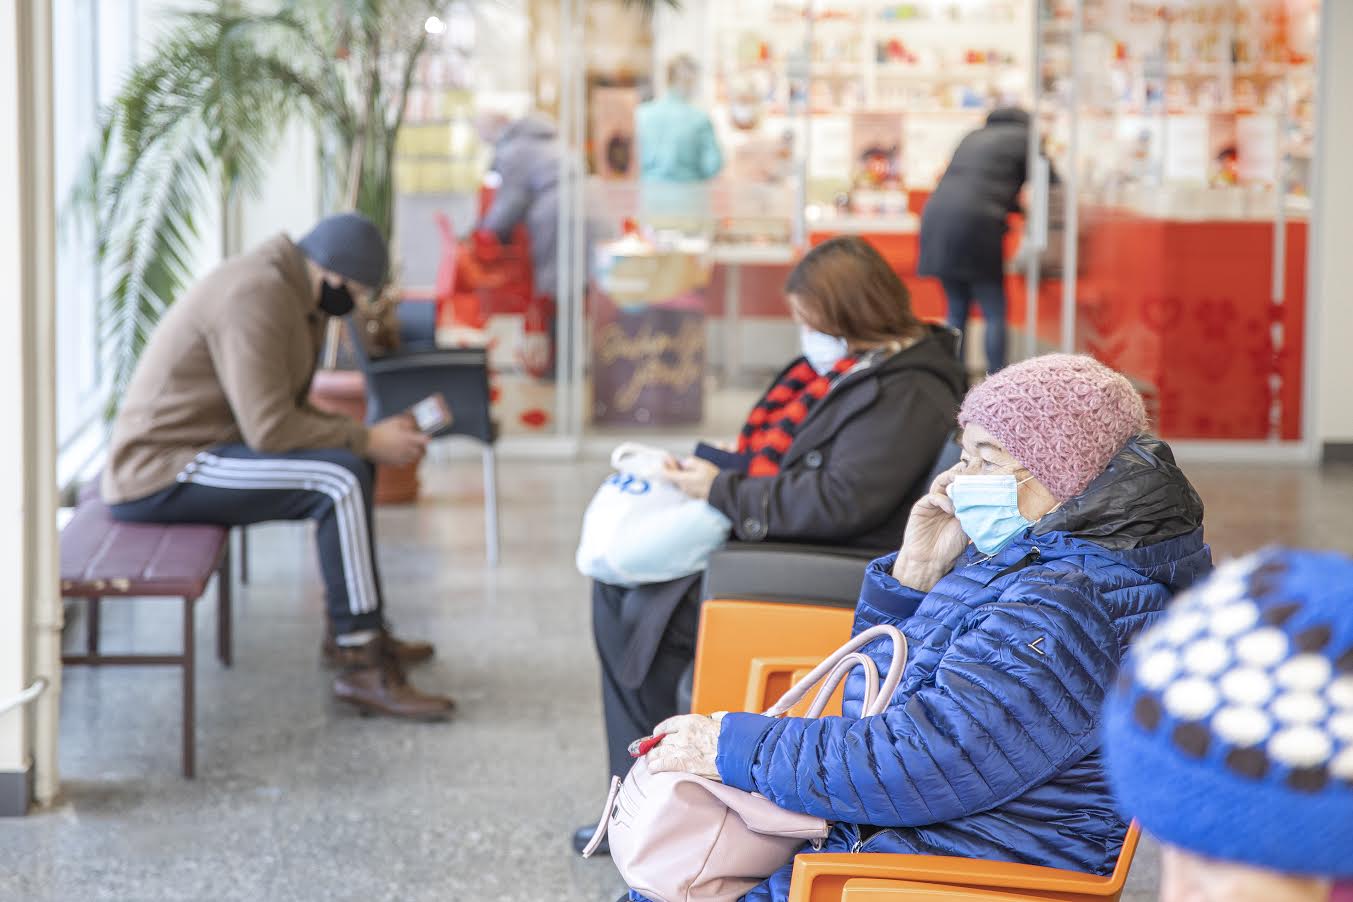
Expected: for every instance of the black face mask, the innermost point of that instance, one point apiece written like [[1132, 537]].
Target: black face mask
[[335, 300]]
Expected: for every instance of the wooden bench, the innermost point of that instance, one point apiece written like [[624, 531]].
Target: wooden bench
[[104, 559]]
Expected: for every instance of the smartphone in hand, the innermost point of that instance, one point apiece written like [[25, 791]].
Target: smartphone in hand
[[724, 460], [432, 414]]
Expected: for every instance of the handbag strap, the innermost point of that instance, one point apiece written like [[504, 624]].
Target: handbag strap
[[800, 689], [612, 797], [833, 679], [834, 668]]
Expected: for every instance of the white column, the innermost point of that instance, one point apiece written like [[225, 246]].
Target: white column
[[29, 606], [1331, 273]]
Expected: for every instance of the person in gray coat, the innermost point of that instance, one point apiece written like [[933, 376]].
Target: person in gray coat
[[526, 154]]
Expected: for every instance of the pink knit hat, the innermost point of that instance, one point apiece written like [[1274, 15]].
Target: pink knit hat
[[1063, 416]]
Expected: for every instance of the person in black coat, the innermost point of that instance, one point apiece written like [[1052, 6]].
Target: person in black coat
[[964, 223], [836, 452]]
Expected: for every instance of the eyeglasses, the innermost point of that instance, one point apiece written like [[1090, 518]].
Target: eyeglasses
[[982, 465]]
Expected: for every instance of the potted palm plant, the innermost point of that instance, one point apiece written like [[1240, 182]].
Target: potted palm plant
[[196, 121]]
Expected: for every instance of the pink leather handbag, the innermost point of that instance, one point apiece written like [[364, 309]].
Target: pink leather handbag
[[677, 837]]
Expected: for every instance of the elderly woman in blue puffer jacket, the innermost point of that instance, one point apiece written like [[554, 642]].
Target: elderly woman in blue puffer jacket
[[1024, 575]]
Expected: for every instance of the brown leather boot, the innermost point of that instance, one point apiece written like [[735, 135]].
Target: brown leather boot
[[408, 652], [378, 686]]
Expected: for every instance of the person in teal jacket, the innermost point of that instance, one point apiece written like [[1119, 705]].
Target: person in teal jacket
[[676, 138]]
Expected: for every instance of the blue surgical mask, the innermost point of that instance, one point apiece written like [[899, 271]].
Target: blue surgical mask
[[822, 351], [987, 508]]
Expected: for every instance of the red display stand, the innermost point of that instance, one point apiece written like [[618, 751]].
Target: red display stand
[[1186, 308], [1183, 308]]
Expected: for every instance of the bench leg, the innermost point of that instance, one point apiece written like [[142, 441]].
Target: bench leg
[[92, 626], [189, 673], [224, 616]]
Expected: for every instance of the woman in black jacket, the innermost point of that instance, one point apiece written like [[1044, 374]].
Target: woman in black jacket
[[964, 223], [836, 452]]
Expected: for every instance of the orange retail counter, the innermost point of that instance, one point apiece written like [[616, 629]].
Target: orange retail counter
[[1185, 308], [1182, 307]]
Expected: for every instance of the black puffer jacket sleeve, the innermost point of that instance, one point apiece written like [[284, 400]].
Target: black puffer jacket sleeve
[[852, 482]]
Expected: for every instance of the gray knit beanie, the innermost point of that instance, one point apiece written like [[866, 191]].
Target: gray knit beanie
[[350, 245]]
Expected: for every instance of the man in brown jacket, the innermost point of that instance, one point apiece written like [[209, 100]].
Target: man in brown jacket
[[215, 427]]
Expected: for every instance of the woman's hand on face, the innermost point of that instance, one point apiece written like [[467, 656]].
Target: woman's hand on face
[[934, 540], [690, 745], [693, 476]]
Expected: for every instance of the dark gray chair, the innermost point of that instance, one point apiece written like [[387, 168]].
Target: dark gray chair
[[395, 382], [787, 573], [418, 335], [418, 325], [792, 573]]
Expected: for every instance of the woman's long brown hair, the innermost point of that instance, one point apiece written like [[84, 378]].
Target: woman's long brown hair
[[844, 287]]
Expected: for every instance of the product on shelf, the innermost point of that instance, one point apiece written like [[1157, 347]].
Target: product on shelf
[[1230, 81]]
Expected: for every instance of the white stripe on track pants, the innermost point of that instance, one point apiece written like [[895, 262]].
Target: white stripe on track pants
[[235, 486]]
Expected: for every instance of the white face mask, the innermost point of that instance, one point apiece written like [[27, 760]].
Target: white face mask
[[822, 351]]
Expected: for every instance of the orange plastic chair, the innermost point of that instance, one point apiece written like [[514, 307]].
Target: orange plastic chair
[[750, 652], [881, 877], [768, 679], [747, 655]]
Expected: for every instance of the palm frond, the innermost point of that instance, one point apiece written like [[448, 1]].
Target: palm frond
[[199, 117], [150, 253], [651, 6], [200, 114]]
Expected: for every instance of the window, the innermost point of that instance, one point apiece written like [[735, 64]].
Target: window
[[93, 43]]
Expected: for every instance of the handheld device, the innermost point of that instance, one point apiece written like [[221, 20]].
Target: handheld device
[[432, 414], [724, 460]]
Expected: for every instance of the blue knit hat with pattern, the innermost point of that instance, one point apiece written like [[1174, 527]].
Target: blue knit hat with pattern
[[1231, 731]]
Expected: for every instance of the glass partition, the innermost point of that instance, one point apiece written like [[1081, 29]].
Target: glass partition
[[1185, 131], [1166, 235], [481, 182], [832, 117]]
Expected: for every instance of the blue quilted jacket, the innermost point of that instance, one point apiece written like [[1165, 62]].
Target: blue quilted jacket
[[990, 748]]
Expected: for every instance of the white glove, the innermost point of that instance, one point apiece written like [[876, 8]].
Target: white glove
[[691, 744]]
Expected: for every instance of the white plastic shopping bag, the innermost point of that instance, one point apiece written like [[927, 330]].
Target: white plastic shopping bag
[[639, 528]]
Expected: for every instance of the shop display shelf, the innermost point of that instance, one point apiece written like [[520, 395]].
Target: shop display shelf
[[962, 72]]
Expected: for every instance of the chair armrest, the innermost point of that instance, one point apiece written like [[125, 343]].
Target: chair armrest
[[788, 574], [841, 551], [423, 360], [867, 889], [817, 876], [770, 677]]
